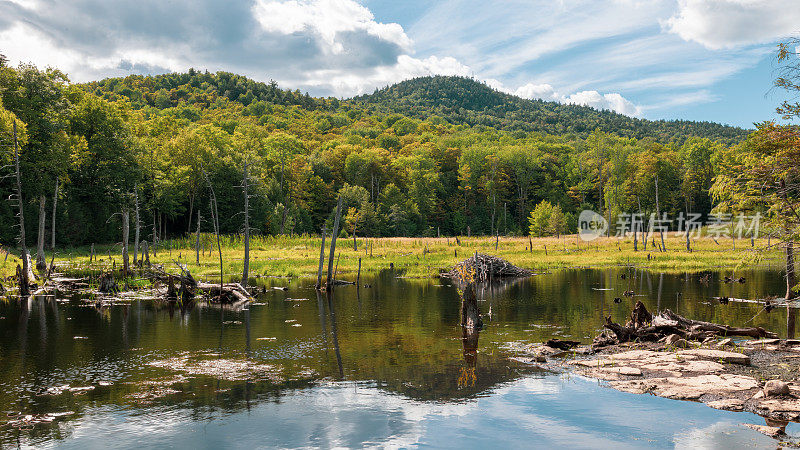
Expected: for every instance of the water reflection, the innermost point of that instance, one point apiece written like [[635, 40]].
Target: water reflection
[[402, 342]]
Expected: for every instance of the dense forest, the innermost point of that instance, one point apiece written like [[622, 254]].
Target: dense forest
[[434, 155], [463, 100]]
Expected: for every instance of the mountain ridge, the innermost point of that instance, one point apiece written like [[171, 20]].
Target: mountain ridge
[[457, 100], [466, 100]]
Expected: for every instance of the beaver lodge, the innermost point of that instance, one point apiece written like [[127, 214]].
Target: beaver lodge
[[482, 268]]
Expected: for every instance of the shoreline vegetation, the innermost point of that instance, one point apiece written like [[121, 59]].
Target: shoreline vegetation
[[298, 256]]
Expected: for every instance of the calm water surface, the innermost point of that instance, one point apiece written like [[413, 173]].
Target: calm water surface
[[378, 366]]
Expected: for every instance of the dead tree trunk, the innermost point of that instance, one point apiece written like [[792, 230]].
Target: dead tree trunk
[[658, 215], [333, 243], [688, 241], [137, 224], [283, 219], [126, 219], [41, 260], [145, 253], [155, 234], [215, 220], [246, 230], [191, 213], [53, 219], [24, 281], [321, 260], [791, 276], [197, 239], [470, 314]]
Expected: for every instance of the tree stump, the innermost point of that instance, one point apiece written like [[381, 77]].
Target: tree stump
[[108, 285]]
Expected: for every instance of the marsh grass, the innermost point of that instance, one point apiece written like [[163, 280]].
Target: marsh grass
[[298, 256]]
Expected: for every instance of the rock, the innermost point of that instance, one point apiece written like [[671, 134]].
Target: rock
[[689, 387], [676, 368], [682, 343], [729, 404], [776, 387], [628, 371], [777, 406], [763, 429], [539, 359], [544, 350], [615, 373], [724, 343], [718, 355], [583, 350]]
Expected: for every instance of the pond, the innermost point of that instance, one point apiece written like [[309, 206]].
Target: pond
[[383, 365]]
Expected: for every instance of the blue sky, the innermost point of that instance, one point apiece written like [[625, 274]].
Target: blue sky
[[671, 59]]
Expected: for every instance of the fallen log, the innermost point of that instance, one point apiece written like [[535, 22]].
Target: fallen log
[[231, 293], [644, 327], [561, 344], [722, 330]]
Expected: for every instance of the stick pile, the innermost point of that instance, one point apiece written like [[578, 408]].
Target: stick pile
[[482, 268]]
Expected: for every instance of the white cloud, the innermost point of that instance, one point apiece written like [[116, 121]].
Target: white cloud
[[718, 24], [577, 51], [329, 47], [543, 91], [611, 101], [347, 83], [682, 99], [327, 18]]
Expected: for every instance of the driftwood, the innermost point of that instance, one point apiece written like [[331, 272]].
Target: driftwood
[[232, 293], [32, 277], [484, 268], [721, 330], [561, 344], [645, 327]]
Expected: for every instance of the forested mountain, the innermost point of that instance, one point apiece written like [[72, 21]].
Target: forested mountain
[[159, 141], [462, 100], [199, 89]]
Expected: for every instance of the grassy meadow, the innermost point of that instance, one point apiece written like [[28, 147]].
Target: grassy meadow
[[298, 256]]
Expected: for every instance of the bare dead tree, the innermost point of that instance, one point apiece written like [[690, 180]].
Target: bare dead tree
[[126, 219], [246, 264], [791, 276], [197, 239], [53, 219], [333, 243], [24, 281], [658, 215], [41, 260], [138, 223], [321, 260], [215, 220]]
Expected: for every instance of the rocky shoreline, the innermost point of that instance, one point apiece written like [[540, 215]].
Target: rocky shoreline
[[757, 375]]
